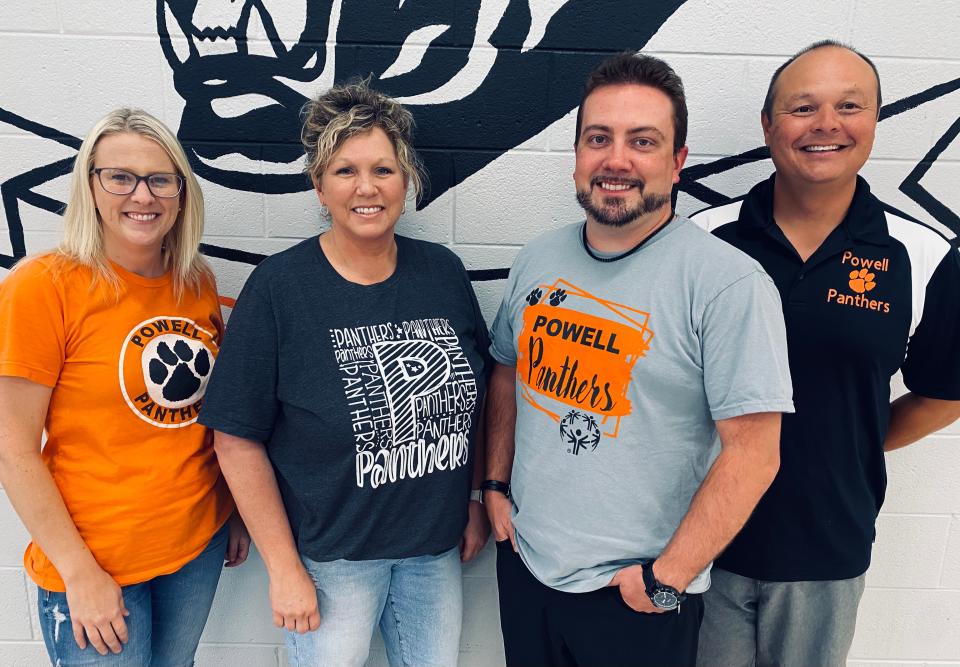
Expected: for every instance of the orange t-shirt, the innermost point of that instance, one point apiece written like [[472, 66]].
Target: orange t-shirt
[[136, 472]]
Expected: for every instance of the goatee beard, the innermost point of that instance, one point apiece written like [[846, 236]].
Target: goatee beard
[[615, 213]]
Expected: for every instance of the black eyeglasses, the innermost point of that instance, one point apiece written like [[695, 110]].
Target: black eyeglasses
[[122, 182]]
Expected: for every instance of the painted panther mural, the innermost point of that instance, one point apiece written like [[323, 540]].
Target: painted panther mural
[[481, 77]]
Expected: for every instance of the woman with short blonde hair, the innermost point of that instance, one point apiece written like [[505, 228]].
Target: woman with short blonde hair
[[346, 405]]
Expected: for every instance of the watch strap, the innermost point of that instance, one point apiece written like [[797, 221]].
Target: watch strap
[[494, 485], [649, 581], [653, 586]]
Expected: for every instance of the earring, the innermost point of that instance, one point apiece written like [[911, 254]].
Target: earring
[[324, 212], [404, 209]]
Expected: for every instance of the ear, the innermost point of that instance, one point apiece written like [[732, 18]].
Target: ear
[[767, 127], [316, 188], [679, 158]]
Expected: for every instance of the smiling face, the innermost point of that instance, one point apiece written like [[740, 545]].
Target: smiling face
[[824, 118], [134, 225], [625, 164], [364, 187]]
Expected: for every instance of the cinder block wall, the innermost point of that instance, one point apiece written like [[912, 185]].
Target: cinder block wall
[[65, 62]]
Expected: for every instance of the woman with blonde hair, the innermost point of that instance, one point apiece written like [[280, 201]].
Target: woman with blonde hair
[[346, 404], [107, 345]]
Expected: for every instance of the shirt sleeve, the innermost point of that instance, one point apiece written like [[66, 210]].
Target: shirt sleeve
[[932, 365], [32, 334], [241, 399], [744, 346], [503, 346]]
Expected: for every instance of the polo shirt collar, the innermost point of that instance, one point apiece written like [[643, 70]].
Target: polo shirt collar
[[865, 221]]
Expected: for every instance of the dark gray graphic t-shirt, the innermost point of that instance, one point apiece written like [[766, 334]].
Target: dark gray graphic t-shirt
[[366, 396]]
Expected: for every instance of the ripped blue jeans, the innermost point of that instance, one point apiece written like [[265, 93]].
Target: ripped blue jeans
[[167, 615]]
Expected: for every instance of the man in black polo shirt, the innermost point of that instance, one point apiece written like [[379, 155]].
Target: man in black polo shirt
[[866, 292]]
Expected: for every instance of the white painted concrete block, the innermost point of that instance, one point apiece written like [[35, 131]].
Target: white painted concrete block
[[894, 624], [293, 215], [885, 177], [14, 606], [926, 31], [517, 197], [481, 257], [922, 478], [897, 562], [950, 574], [434, 223], [40, 241], [730, 26], [483, 566], [33, 594], [481, 617], [232, 212], [40, 17], [15, 536], [219, 655], [73, 66], [489, 295], [90, 16], [23, 654], [909, 135], [241, 609], [733, 182]]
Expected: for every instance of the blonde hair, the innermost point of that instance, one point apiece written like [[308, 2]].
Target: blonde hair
[[83, 234], [347, 110]]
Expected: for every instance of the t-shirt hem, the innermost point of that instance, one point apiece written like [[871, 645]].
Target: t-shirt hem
[[234, 429], [752, 408], [430, 550], [501, 359], [55, 583], [37, 375], [782, 577]]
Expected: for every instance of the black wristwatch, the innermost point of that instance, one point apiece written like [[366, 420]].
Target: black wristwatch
[[661, 595], [494, 485]]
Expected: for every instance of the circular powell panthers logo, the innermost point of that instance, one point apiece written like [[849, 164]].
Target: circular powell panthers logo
[[164, 367]]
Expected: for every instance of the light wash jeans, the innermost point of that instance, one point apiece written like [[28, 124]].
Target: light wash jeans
[[167, 615], [417, 602]]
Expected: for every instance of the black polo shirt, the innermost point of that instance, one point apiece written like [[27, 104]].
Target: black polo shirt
[[881, 293]]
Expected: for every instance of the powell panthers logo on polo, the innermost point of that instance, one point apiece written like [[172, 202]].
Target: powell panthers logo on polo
[[411, 395], [861, 276], [165, 364]]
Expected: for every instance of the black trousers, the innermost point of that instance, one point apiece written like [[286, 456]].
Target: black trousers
[[544, 627]]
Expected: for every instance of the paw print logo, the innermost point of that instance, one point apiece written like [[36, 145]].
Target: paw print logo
[[579, 431], [534, 297], [176, 370], [862, 281], [557, 297]]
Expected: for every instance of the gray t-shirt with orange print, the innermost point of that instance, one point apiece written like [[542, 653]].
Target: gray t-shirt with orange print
[[623, 367]]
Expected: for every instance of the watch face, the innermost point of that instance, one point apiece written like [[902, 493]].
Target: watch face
[[665, 600]]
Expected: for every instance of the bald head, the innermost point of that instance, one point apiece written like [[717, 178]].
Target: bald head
[[816, 46]]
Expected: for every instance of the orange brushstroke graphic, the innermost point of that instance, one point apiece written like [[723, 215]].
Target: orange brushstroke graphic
[[582, 360]]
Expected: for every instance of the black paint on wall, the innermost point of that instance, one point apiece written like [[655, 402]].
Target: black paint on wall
[[520, 93]]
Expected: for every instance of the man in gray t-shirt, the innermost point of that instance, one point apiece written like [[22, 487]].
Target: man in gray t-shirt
[[635, 408]]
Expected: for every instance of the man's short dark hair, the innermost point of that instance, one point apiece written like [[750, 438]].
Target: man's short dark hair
[[641, 70], [768, 100]]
